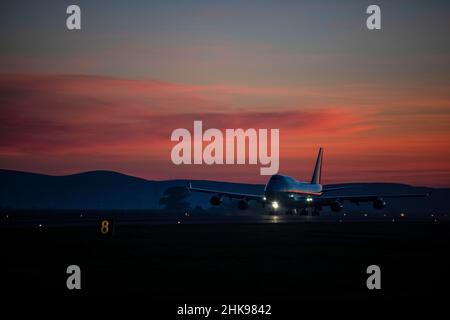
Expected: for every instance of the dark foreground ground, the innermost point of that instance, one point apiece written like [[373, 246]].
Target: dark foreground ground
[[221, 263]]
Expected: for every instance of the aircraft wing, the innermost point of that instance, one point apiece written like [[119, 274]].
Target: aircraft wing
[[231, 195], [325, 189], [369, 197]]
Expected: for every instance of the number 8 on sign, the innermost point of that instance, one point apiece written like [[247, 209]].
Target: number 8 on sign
[[105, 226]]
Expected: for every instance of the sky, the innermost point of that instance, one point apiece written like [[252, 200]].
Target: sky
[[107, 97]]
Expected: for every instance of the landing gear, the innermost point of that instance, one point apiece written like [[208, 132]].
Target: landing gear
[[291, 212], [309, 211]]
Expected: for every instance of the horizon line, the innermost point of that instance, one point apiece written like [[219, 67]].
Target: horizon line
[[219, 181]]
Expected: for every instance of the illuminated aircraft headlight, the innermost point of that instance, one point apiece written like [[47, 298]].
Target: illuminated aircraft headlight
[[275, 205], [264, 198], [309, 199]]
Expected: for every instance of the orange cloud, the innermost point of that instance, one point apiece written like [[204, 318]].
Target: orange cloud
[[64, 124]]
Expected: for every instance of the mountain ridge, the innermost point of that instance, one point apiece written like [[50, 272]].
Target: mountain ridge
[[104, 189]]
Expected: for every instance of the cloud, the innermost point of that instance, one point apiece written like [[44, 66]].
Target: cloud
[[73, 114], [61, 124]]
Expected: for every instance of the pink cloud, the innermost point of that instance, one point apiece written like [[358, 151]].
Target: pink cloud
[[63, 124]]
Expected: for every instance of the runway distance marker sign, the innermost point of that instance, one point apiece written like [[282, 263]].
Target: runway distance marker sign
[[106, 227]]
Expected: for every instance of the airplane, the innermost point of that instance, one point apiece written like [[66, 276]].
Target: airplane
[[305, 198]]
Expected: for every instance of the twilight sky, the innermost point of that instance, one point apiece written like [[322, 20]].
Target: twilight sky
[[109, 96]]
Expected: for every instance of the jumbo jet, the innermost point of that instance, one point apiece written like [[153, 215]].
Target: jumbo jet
[[295, 197]]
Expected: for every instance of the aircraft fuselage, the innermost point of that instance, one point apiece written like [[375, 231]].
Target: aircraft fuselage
[[286, 191]]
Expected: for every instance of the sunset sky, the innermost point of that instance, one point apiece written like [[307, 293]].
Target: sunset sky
[[108, 97]]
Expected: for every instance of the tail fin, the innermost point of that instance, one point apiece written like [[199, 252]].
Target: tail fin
[[318, 168]]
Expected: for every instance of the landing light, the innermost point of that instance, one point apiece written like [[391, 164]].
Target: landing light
[[264, 198], [275, 205], [309, 199]]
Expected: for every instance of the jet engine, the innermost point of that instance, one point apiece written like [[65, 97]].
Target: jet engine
[[379, 203], [215, 200], [336, 206], [242, 204]]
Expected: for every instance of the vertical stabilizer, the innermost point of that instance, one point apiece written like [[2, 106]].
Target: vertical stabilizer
[[318, 168]]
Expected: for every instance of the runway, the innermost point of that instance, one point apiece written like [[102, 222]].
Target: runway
[[85, 219], [219, 262]]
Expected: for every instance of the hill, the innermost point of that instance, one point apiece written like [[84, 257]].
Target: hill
[[100, 190]]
